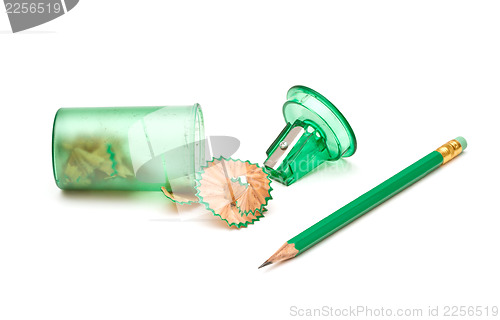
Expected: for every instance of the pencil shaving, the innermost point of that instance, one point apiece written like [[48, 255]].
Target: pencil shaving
[[234, 190], [180, 198], [232, 215], [92, 160], [258, 191]]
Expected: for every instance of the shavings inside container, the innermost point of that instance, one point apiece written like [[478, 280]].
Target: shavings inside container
[[92, 160]]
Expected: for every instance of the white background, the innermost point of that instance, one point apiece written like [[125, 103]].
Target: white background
[[408, 76]]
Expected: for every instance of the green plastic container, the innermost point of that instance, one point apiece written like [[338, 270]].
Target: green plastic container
[[128, 148]]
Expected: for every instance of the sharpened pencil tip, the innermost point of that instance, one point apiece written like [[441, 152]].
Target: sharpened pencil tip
[[265, 264]]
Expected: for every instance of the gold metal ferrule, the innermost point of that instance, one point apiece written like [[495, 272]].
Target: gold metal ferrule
[[450, 150]]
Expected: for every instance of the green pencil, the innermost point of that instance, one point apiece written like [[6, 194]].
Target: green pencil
[[367, 201]]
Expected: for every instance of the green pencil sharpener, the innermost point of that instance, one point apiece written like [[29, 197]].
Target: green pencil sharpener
[[315, 132]]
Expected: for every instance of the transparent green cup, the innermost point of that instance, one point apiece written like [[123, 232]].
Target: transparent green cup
[[128, 148]]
